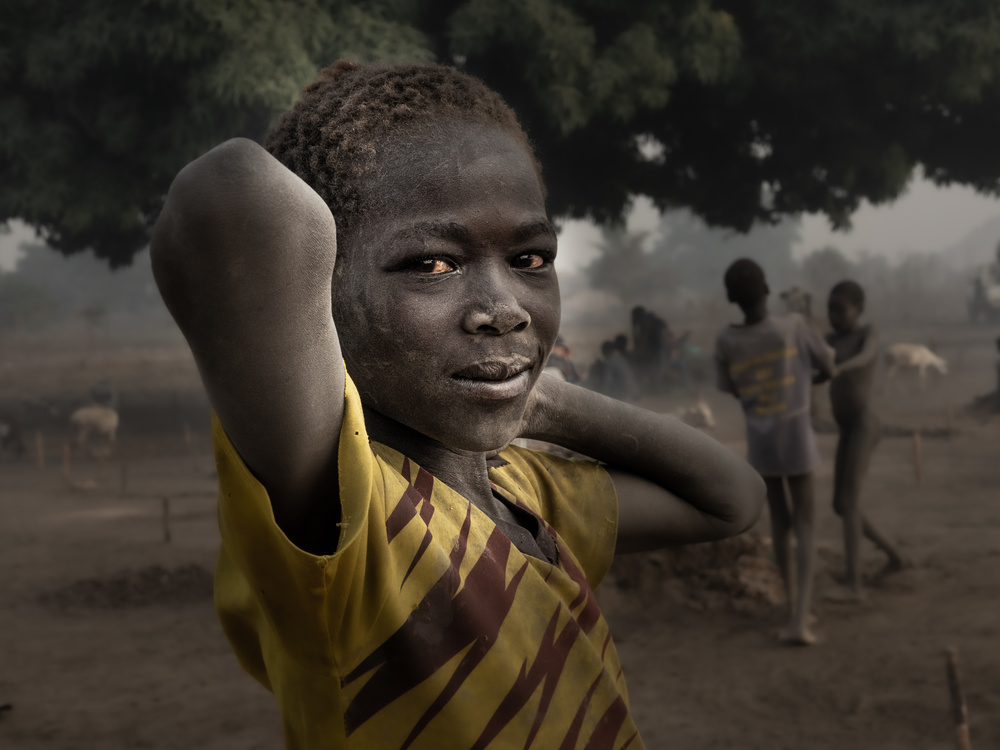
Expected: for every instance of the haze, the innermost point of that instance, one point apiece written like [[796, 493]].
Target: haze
[[926, 220]]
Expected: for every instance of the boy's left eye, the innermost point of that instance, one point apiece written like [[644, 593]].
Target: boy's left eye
[[433, 265], [530, 260]]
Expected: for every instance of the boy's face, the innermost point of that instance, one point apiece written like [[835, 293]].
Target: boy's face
[[447, 303], [843, 313]]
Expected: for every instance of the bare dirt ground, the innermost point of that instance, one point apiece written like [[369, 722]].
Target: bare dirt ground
[[109, 638]]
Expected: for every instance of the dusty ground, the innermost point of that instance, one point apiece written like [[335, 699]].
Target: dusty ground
[[110, 639]]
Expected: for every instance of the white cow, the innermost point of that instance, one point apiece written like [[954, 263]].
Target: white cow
[[99, 421], [913, 357]]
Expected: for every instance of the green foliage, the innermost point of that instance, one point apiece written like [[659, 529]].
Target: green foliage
[[743, 111], [104, 101]]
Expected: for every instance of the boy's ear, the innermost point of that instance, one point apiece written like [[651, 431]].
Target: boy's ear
[[767, 290]]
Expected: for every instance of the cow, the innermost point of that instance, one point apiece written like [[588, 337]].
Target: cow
[[913, 357], [99, 421]]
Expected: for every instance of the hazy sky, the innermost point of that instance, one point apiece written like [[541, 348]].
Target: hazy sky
[[926, 219]]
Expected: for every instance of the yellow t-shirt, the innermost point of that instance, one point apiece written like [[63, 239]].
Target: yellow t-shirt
[[427, 628]]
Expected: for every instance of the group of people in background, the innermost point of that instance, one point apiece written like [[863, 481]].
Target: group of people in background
[[770, 364], [656, 359]]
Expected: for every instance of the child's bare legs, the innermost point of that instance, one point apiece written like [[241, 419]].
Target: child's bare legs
[[797, 520], [854, 451], [781, 528]]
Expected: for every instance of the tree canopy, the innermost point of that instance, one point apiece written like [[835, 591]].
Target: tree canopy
[[743, 111]]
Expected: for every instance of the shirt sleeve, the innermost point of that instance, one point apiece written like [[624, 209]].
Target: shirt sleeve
[[269, 592]]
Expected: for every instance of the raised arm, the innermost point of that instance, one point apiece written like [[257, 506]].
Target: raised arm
[[675, 484], [868, 354], [243, 255], [821, 355]]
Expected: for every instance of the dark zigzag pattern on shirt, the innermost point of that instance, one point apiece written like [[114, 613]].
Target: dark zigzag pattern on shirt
[[553, 651], [607, 728], [616, 713], [445, 623], [548, 665], [591, 612], [416, 498]]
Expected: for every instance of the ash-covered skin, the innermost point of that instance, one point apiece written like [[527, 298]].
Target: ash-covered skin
[[850, 390], [445, 296], [850, 396]]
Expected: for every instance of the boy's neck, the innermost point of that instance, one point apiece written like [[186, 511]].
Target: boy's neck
[[755, 313], [856, 328], [463, 471]]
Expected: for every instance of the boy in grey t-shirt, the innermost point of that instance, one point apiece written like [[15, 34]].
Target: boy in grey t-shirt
[[769, 364]]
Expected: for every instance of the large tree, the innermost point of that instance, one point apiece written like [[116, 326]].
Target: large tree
[[742, 110]]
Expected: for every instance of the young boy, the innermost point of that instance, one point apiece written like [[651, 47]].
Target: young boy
[[394, 574], [768, 363], [857, 349]]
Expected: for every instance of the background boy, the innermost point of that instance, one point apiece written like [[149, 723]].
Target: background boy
[[769, 364], [392, 580], [857, 349]]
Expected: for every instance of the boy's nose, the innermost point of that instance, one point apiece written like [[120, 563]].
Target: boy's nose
[[497, 318], [496, 311]]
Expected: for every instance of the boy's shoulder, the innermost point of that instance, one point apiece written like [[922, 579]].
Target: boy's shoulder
[[763, 330]]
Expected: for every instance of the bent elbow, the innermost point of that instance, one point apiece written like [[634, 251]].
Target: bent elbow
[[745, 503], [752, 505]]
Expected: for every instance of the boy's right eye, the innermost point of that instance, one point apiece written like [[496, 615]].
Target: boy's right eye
[[432, 266]]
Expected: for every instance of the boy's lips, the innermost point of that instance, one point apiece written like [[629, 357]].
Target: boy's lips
[[496, 379]]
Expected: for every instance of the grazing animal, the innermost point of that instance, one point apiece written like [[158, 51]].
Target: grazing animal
[[98, 421], [699, 415], [913, 357]]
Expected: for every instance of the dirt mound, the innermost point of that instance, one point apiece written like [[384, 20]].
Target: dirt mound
[[737, 574], [135, 588]]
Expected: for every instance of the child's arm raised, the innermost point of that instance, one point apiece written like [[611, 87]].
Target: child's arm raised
[[868, 354], [821, 355], [675, 484], [243, 255]]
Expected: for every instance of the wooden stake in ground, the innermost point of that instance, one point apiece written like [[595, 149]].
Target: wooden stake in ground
[[166, 520], [187, 437], [918, 458], [40, 449], [958, 711]]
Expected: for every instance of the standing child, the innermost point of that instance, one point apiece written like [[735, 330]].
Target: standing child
[[857, 349], [371, 301], [768, 363]]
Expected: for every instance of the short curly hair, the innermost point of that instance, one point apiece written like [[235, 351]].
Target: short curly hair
[[333, 135], [745, 282], [850, 291]]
